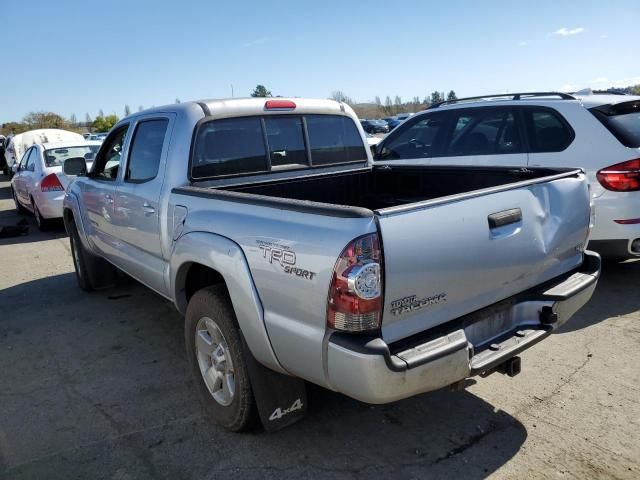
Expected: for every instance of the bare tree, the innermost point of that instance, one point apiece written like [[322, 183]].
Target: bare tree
[[340, 96], [87, 118], [127, 111], [73, 120]]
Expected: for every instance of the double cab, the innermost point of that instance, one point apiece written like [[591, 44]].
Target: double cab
[[294, 258]]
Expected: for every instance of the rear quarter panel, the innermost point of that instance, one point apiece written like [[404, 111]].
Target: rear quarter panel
[[272, 240]]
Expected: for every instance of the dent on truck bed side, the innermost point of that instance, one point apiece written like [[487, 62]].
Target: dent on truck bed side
[[227, 258]]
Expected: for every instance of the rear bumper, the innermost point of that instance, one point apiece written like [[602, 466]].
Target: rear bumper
[[368, 369]]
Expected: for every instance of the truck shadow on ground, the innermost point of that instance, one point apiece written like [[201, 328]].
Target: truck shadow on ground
[[615, 295], [108, 394]]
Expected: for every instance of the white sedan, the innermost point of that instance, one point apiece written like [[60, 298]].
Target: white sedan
[[38, 185]]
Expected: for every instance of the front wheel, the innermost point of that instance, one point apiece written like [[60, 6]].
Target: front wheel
[[218, 367]]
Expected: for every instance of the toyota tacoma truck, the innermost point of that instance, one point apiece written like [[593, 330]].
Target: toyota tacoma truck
[[295, 259]]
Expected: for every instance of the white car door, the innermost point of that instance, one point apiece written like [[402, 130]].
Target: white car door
[[19, 181], [31, 174]]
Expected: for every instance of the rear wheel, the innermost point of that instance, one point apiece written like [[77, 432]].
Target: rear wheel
[[20, 209], [43, 223], [217, 363]]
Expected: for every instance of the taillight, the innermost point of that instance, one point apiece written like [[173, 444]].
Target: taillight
[[50, 183], [355, 295], [279, 105], [621, 177]]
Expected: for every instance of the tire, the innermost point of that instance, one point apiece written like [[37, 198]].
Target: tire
[[79, 259], [210, 309], [42, 223], [19, 208], [92, 272]]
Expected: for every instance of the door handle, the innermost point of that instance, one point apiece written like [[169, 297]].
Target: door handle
[[507, 217], [148, 209]]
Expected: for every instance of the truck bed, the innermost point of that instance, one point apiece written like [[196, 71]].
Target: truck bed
[[384, 187]]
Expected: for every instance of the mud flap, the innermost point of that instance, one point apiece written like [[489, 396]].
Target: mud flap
[[281, 399]]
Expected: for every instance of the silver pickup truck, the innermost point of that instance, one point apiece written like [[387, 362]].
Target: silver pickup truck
[[294, 258]]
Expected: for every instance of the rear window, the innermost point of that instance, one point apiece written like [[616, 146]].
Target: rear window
[[229, 146], [622, 120], [245, 145], [334, 139], [55, 157]]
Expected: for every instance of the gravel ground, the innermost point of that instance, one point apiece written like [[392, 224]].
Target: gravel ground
[[96, 386]]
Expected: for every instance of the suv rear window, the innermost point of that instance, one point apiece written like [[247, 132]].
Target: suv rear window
[[237, 146], [622, 120]]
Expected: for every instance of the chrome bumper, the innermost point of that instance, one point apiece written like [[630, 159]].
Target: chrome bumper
[[369, 370]]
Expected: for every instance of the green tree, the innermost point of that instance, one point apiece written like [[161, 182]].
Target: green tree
[[127, 111], [436, 97], [451, 95], [45, 120], [635, 90], [104, 124], [260, 91]]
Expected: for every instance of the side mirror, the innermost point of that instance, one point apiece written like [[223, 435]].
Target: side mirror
[[75, 166]]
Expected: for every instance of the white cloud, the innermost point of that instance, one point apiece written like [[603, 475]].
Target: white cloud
[[523, 44], [257, 41], [564, 31]]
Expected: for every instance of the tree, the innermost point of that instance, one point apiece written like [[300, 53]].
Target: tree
[[388, 105], [436, 97], [127, 111], [73, 120], [378, 102], [101, 113], [635, 90], [104, 124], [452, 95], [45, 120], [140, 108], [87, 118], [416, 100], [177, 100], [340, 96], [260, 91]]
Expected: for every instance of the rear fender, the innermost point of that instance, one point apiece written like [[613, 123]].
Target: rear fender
[[227, 258]]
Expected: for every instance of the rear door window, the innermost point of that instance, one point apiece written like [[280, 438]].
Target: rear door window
[[334, 139], [229, 146], [146, 150], [547, 131], [481, 131], [622, 120]]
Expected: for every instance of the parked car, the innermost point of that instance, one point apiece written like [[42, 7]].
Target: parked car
[[21, 142], [374, 126], [3, 160], [39, 183], [392, 122], [98, 136], [600, 133], [293, 257]]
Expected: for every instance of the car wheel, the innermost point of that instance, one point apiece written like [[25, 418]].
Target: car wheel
[[43, 223], [19, 208], [218, 367], [79, 260]]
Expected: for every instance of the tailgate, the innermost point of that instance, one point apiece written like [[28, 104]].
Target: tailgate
[[451, 256]]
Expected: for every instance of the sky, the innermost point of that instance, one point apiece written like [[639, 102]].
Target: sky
[[79, 57]]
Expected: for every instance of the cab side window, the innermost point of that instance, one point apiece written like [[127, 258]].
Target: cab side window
[[107, 162], [146, 150], [481, 131]]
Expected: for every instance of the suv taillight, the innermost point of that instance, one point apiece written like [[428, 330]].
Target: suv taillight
[[50, 183], [621, 177], [355, 295]]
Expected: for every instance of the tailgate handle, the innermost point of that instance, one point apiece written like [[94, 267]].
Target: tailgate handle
[[506, 217]]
